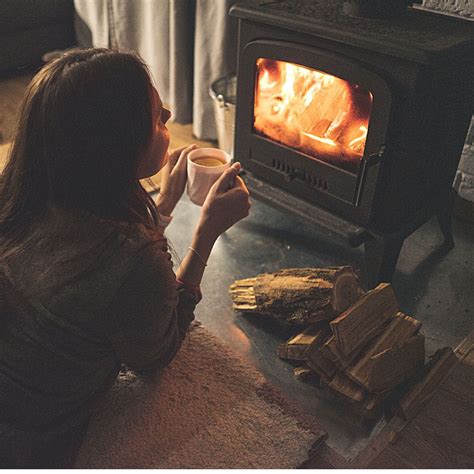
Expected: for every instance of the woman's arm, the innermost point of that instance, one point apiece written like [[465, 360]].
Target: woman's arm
[[192, 267], [150, 314], [226, 204]]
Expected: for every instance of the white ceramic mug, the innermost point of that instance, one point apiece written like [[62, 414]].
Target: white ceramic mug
[[201, 177]]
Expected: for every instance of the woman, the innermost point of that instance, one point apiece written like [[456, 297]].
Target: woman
[[86, 280]]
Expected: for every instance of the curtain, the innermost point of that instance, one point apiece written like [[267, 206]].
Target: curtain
[[187, 44]]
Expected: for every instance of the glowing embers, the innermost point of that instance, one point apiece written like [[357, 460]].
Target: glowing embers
[[311, 111]]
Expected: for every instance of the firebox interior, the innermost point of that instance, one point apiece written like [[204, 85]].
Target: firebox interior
[[311, 111]]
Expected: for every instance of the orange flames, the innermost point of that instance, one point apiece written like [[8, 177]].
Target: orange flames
[[311, 111]]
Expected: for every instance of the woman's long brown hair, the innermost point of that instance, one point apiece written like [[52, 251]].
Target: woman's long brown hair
[[84, 121]]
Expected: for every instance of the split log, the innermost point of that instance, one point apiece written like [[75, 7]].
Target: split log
[[299, 296], [345, 386], [296, 347], [433, 374], [392, 366], [368, 406], [324, 368], [399, 330], [362, 354], [365, 319], [318, 362], [332, 352]]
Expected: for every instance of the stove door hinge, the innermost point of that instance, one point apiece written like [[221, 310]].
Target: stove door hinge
[[367, 162], [375, 158]]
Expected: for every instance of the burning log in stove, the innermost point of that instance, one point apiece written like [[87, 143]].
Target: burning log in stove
[[312, 111]]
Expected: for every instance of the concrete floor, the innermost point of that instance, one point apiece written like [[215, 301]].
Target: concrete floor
[[434, 286]]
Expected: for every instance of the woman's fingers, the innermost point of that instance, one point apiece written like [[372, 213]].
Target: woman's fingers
[[243, 193], [181, 163], [177, 155], [239, 183], [226, 181], [174, 155]]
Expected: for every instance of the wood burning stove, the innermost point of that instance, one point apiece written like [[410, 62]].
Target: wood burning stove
[[354, 124]]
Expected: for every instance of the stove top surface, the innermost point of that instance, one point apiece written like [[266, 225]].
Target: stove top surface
[[418, 35]]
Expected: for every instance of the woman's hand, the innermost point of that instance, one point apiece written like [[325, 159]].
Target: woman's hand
[[227, 203], [173, 180]]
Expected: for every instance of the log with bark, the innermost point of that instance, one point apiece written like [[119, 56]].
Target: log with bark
[[300, 296]]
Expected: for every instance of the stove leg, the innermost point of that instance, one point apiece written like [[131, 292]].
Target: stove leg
[[445, 221], [381, 255]]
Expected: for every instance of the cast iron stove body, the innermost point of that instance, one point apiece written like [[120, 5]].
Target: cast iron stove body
[[354, 124]]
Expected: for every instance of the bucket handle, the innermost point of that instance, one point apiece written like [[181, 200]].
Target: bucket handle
[[221, 102]]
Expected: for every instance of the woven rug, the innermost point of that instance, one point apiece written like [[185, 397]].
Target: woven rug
[[208, 409]]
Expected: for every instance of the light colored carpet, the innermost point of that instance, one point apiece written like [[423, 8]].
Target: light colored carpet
[[208, 409]]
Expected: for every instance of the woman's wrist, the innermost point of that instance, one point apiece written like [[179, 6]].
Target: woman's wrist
[[193, 265], [202, 242], [165, 204], [204, 234]]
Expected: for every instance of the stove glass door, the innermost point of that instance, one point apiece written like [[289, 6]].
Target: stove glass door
[[321, 115]]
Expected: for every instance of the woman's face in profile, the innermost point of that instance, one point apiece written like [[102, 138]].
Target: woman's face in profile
[[156, 156]]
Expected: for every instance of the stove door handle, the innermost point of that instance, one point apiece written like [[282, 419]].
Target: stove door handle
[[367, 162], [375, 158]]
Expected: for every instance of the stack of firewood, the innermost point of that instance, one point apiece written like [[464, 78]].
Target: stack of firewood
[[360, 345]]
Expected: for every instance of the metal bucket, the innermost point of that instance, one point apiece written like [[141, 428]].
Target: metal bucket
[[223, 94]]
